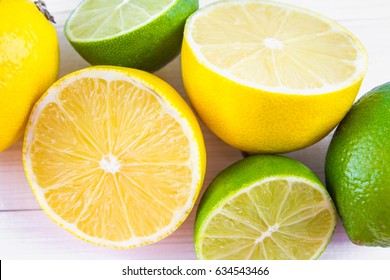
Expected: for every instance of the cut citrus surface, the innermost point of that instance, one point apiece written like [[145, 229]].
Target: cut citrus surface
[[269, 77], [134, 33], [115, 156], [111, 18], [264, 207]]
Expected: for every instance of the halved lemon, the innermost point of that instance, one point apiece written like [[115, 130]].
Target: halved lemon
[[115, 156], [269, 77]]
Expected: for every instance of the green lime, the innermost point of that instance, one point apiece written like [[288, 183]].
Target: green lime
[[264, 207], [358, 169], [142, 34]]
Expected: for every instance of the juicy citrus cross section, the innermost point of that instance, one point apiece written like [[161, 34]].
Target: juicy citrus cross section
[[142, 34], [277, 210], [115, 156], [275, 46], [110, 18]]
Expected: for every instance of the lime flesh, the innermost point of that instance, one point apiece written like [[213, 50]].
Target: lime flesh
[[96, 20]]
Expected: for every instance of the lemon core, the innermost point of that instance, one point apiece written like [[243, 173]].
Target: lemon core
[[273, 43], [110, 164]]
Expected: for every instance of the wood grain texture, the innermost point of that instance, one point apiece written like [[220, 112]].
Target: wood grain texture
[[27, 233]]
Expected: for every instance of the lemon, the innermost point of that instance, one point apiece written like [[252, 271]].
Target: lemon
[[268, 77], [133, 33], [115, 156], [264, 207], [29, 60], [358, 169]]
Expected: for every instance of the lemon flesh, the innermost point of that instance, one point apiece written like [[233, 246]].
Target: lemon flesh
[[264, 207], [114, 156], [134, 33], [269, 77], [276, 47]]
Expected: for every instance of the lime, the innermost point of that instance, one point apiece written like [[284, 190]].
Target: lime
[[358, 169], [134, 33], [267, 77], [264, 207]]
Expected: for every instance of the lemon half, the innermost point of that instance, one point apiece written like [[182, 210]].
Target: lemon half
[[269, 77], [114, 156]]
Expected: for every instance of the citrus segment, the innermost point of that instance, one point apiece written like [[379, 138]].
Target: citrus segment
[[114, 156], [284, 215]]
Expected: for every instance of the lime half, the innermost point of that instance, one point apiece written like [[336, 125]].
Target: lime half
[[264, 207], [143, 34]]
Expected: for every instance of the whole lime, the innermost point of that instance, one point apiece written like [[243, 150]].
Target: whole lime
[[138, 34], [358, 169]]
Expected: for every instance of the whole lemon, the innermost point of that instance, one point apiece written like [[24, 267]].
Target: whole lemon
[[29, 59]]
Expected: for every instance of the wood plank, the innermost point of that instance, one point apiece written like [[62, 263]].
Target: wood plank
[[32, 235]]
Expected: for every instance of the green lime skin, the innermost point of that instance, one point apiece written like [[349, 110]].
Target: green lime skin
[[148, 48], [357, 169], [244, 173]]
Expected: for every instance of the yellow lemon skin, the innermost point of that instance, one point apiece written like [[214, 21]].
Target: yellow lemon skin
[[257, 121], [29, 60]]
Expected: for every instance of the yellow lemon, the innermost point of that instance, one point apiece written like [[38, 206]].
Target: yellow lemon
[[269, 77], [29, 60], [115, 156]]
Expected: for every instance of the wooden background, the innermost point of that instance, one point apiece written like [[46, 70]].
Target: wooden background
[[27, 233]]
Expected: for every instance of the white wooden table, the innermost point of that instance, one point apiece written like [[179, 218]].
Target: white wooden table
[[27, 233]]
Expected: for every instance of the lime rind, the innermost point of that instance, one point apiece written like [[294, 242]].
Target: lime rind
[[357, 169]]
